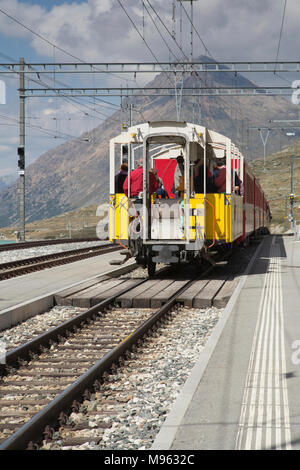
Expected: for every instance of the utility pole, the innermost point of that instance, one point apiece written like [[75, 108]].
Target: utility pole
[[292, 194], [286, 213], [264, 140], [292, 191], [21, 151]]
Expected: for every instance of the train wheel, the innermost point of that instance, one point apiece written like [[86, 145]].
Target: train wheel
[[151, 268]]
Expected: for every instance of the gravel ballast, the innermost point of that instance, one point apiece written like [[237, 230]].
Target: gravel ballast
[[134, 401], [34, 326], [16, 255]]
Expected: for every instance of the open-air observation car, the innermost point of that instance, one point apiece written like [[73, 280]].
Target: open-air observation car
[[189, 221]]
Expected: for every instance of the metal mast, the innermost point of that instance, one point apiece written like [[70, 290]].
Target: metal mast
[[21, 151]]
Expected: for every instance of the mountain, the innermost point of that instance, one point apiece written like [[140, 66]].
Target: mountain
[[75, 174], [275, 180], [6, 180]]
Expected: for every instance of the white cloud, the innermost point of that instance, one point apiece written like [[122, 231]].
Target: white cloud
[[30, 15], [48, 111], [4, 148], [99, 31], [10, 140], [8, 171]]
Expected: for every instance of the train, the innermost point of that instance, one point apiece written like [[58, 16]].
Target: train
[[187, 222]]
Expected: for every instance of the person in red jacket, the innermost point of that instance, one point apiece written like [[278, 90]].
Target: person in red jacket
[[136, 182]]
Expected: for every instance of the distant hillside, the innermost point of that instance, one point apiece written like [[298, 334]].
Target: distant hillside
[[276, 181], [75, 174], [79, 223], [6, 180]]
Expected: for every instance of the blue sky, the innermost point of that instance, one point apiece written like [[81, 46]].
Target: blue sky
[[99, 31]]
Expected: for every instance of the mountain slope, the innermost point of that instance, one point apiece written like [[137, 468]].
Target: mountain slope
[[75, 174], [276, 182]]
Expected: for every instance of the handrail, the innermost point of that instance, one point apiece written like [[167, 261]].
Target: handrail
[[214, 224]]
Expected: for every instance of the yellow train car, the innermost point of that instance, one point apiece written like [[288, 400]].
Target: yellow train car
[[184, 192]]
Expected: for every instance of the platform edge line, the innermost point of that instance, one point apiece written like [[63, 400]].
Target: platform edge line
[[167, 433]]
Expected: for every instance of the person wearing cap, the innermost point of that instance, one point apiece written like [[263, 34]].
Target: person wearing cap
[[136, 182]]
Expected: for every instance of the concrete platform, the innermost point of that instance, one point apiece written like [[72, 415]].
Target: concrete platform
[[244, 391], [24, 296]]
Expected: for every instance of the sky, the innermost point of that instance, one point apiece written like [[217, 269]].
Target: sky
[[101, 31]]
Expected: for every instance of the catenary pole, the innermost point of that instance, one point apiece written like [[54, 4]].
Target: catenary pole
[[21, 151]]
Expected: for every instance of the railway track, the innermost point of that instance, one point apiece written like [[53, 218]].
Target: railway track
[[37, 243], [42, 385], [34, 394], [37, 263]]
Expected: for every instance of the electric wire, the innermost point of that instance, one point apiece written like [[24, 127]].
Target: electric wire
[[64, 51], [280, 34], [196, 31], [163, 39]]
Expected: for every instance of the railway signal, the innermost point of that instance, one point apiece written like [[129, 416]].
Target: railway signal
[[21, 161]]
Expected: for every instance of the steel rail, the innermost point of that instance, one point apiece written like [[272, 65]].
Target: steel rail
[[36, 243], [48, 416], [19, 267]]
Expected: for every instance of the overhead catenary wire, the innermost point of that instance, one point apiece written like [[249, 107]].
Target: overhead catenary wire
[[168, 31], [78, 105], [33, 126], [143, 39], [196, 31], [67, 99], [56, 46], [163, 39], [16, 20], [280, 34], [64, 51]]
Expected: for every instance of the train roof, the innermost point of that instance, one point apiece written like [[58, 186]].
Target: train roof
[[156, 129]]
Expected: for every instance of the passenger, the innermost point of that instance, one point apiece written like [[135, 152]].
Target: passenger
[[178, 186], [136, 182], [199, 179], [220, 179], [219, 176], [161, 193], [158, 179], [238, 185], [120, 178]]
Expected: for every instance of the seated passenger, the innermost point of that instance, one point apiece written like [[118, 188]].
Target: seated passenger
[[238, 185], [161, 193], [199, 179], [219, 176], [120, 178], [178, 185], [136, 182]]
